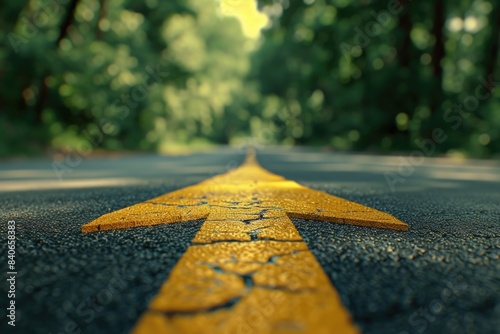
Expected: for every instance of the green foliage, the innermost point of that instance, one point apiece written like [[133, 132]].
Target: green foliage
[[342, 82], [130, 75], [151, 75]]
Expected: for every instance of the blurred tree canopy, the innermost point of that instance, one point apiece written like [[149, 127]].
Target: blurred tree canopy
[[149, 75]]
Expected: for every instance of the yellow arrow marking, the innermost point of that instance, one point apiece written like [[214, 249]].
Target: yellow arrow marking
[[248, 269]]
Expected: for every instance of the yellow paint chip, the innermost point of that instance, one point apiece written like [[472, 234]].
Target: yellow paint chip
[[248, 269]]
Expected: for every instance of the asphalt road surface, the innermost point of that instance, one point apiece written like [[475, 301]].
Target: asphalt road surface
[[442, 276]]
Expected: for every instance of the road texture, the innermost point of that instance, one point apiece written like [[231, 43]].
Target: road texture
[[442, 276]]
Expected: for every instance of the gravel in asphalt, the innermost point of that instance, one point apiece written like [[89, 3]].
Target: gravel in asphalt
[[442, 276]]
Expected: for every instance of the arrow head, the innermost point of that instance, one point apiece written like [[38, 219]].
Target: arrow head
[[228, 195]]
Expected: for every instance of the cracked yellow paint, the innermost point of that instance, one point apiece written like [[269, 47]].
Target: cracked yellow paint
[[243, 189], [248, 269]]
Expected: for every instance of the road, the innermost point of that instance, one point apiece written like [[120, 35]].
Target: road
[[442, 276]]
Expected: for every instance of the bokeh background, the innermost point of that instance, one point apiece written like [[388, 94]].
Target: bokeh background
[[380, 76]]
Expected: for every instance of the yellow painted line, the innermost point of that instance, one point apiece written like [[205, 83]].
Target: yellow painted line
[[248, 269]]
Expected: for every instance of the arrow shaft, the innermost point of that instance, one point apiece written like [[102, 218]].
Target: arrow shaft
[[247, 271]]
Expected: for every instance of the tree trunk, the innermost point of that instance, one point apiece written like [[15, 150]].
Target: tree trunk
[[70, 14], [493, 46], [438, 54], [102, 14], [405, 25], [436, 84], [42, 96]]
